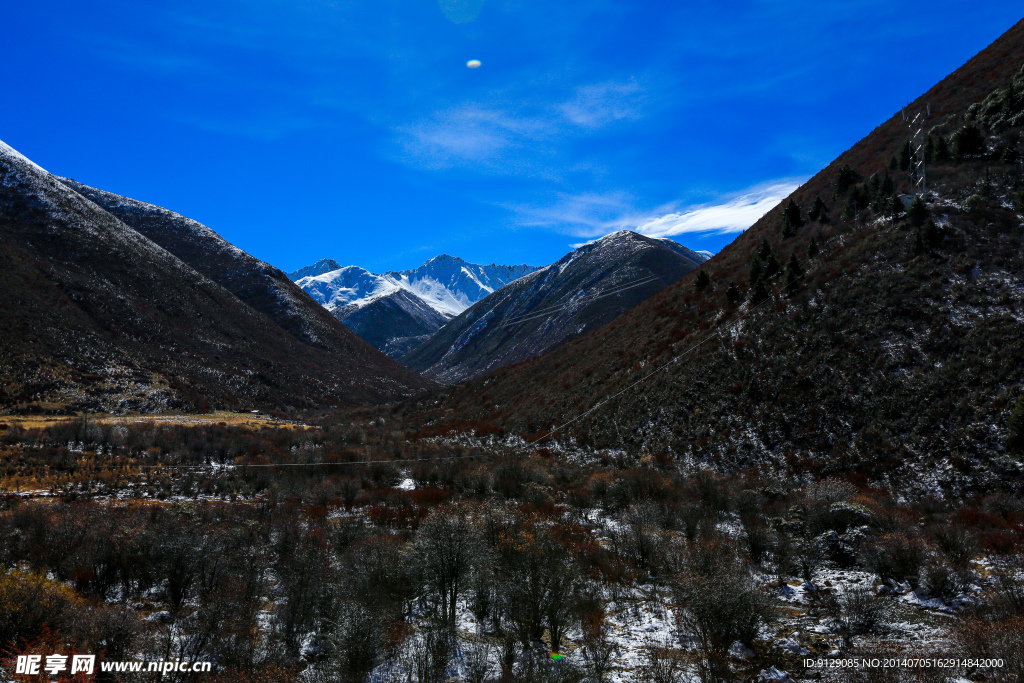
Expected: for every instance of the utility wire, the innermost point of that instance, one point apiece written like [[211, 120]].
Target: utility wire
[[717, 334], [543, 312]]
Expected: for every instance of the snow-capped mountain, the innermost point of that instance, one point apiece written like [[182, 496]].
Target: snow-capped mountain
[[400, 309], [350, 286], [450, 285], [583, 290], [446, 283], [324, 265]]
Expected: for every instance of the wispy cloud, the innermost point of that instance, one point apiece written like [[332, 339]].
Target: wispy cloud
[[599, 104], [595, 215], [470, 133], [732, 215], [511, 132]]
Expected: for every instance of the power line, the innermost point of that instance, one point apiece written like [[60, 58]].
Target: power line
[[543, 312], [718, 334]]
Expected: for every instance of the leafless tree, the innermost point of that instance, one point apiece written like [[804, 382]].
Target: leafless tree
[[447, 545]]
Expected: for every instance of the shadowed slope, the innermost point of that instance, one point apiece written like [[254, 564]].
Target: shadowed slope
[[96, 315], [536, 313], [895, 356]]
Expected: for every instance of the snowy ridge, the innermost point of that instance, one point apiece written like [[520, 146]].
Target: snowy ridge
[[324, 265], [450, 285], [400, 309], [537, 312], [75, 209], [350, 286], [447, 284]]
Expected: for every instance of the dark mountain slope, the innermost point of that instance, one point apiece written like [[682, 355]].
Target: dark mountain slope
[[96, 315], [895, 356], [255, 282], [393, 323], [536, 313]]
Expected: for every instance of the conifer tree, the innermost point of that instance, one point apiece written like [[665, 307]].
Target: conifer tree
[[702, 281], [888, 186], [812, 248], [733, 295], [968, 141], [794, 214], [758, 292], [794, 271], [918, 212], [787, 228], [846, 179], [930, 233], [764, 250], [896, 209], [819, 212], [756, 271]]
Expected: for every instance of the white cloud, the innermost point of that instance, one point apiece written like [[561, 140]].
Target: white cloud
[[733, 215], [596, 215]]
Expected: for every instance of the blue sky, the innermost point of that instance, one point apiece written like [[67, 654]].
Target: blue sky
[[351, 129]]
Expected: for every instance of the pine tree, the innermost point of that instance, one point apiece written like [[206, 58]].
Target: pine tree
[[918, 212], [794, 214], [929, 149], [771, 266], [846, 179], [733, 295], [893, 164], [818, 212], [756, 271], [787, 227], [758, 292], [812, 248], [968, 141], [930, 233], [764, 250], [702, 281], [918, 243], [794, 271], [896, 209], [888, 185]]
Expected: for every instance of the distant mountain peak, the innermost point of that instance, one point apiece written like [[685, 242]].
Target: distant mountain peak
[[446, 284], [324, 265], [581, 291]]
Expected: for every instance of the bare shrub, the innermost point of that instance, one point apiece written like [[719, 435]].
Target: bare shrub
[[896, 556], [719, 604], [661, 663], [857, 612]]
